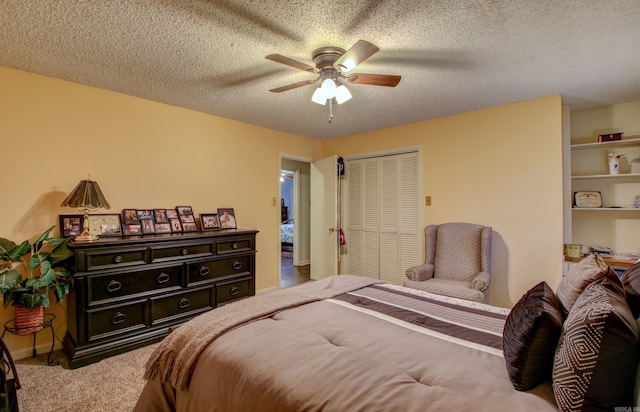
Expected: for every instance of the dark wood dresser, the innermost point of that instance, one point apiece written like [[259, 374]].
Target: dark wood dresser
[[129, 291]]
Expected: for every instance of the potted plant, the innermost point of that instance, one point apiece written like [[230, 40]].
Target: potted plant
[[28, 272]]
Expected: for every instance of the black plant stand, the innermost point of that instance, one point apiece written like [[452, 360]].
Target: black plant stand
[[10, 327]]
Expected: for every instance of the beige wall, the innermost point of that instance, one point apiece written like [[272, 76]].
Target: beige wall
[[142, 153], [501, 167]]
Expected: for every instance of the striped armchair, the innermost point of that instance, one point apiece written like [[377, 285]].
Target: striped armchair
[[457, 262]]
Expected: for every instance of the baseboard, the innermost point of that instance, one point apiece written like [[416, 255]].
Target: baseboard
[[28, 352], [304, 263], [267, 290]]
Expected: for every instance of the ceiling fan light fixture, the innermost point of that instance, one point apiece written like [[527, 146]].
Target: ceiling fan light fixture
[[342, 94], [328, 88], [319, 97]]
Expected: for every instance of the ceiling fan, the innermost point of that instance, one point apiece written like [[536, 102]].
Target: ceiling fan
[[332, 65]]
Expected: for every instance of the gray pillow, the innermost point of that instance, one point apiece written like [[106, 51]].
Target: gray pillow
[[597, 355], [530, 336], [591, 268]]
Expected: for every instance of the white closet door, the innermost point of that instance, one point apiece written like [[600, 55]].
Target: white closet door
[[370, 218], [409, 229], [354, 219], [383, 222]]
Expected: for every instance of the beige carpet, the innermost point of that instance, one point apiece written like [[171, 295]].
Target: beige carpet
[[112, 384]]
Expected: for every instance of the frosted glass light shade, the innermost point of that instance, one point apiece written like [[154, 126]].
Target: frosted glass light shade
[[342, 94], [319, 97]]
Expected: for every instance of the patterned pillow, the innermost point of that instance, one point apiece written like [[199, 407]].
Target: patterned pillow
[[597, 355], [631, 281], [530, 336], [590, 268]]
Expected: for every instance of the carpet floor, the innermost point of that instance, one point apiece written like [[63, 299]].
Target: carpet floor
[[113, 384]]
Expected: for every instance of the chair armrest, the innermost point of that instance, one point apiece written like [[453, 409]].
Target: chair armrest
[[481, 281], [420, 273]]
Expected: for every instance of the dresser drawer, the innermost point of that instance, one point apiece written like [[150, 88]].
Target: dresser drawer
[[233, 289], [208, 271], [115, 320], [117, 286], [234, 245], [179, 305], [97, 259], [160, 253]]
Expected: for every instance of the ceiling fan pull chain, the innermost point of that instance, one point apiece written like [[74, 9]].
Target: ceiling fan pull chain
[[330, 110]]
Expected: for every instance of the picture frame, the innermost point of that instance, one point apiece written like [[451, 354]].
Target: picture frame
[[590, 199], [209, 221], [145, 214], [185, 213], [163, 227], [189, 227], [71, 225], [172, 214], [160, 216], [227, 218], [105, 225], [130, 216], [132, 229], [148, 227], [176, 225]]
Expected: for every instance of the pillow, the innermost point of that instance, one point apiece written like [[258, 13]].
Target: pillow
[[631, 281], [530, 336], [591, 268], [597, 355]]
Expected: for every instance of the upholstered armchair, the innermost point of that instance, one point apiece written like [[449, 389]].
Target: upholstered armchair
[[457, 262]]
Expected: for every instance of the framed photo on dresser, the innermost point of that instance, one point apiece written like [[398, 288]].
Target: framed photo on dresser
[[227, 218]]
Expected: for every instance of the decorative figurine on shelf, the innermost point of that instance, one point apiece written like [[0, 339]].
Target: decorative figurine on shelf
[[637, 202], [614, 163]]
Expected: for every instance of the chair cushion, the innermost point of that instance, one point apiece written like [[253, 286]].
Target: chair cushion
[[631, 281], [457, 254], [453, 288], [531, 334], [590, 268], [597, 354]]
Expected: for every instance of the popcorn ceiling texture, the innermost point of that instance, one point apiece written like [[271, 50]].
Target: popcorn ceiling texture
[[453, 55]]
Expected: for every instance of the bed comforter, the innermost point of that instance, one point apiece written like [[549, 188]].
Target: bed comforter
[[377, 348]]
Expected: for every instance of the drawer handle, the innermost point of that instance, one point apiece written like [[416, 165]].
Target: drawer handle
[[234, 246], [163, 278], [118, 318], [118, 259], [237, 265], [184, 251], [114, 286], [204, 271], [184, 302], [234, 290]]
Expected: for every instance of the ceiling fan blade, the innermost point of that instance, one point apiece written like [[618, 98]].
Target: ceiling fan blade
[[290, 62], [292, 86], [374, 79], [358, 53]]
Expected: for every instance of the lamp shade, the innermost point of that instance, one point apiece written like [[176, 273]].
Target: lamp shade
[[87, 194], [342, 94]]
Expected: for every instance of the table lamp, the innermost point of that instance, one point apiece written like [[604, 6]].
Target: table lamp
[[86, 196]]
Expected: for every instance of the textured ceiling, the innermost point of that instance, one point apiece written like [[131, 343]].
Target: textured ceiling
[[453, 55]]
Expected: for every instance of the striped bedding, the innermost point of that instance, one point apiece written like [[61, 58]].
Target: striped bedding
[[378, 348]]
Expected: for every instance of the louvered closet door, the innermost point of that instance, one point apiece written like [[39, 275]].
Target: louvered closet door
[[383, 233]]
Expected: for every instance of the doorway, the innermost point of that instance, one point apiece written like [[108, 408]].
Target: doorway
[[295, 221]]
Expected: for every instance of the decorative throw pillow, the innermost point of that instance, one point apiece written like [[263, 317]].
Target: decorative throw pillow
[[597, 355], [631, 281], [590, 268], [531, 333]]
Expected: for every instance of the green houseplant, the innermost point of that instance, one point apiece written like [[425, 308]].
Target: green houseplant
[[29, 271]]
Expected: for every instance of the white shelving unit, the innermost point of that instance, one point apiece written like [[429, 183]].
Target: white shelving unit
[[617, 222]]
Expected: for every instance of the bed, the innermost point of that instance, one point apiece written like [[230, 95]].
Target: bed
[[286, 234], [341, 344]]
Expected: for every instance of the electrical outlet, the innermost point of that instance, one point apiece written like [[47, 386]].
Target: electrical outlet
[[427, 200]]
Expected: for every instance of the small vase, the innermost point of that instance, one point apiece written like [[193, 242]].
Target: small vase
[[28, 320]]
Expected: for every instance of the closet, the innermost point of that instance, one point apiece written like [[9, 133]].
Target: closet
[[381, 215]]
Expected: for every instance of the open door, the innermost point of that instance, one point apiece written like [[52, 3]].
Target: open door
[[324, 218]]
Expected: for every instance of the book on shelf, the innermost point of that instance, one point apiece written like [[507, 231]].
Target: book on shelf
[[610, 137]]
